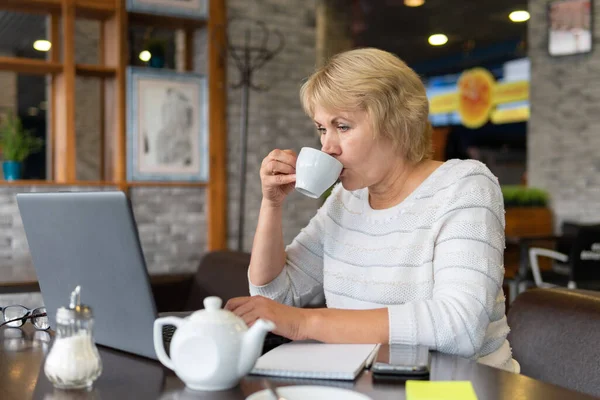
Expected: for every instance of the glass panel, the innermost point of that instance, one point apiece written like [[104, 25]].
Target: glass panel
[[87, 42], [24, 96], [152, 47], [88, 114], [19, 32]]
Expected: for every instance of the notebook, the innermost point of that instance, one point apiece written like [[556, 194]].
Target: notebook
[[314, 360]]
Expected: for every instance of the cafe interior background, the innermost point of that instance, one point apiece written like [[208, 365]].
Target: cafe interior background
[[508, 84]]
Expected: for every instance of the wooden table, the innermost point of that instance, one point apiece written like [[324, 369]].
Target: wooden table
[[124, 376]]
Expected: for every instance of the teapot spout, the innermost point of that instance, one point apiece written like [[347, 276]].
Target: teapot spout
[[252, 345]]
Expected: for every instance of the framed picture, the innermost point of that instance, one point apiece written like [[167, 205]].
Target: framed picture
[[167, 126], [197, 9], [569, 27]]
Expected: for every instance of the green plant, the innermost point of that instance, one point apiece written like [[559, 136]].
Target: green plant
[[17, 143], [522, 196]]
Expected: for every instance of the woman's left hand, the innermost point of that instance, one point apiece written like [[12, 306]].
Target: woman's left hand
[[290, 321]]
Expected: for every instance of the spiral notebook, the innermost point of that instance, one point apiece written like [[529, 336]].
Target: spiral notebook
[[313, 360]]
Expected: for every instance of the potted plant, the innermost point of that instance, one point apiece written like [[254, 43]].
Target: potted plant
[[527, 211], [16, 144], [522, 196]]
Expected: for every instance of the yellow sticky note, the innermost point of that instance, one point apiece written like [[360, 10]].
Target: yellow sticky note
[[440, 390]]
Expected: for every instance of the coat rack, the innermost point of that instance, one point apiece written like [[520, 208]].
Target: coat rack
[[248, 59]]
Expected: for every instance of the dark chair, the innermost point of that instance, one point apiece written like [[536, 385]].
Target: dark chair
[[220, 273], [555, 337], [556, 275], [577, 256]]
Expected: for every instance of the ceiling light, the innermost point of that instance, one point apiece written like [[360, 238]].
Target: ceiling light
[[519, 16], [145, 56], [414, 3], [42, 45], [438, 39]]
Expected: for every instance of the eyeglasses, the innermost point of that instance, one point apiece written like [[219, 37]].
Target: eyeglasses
[[16, 315]]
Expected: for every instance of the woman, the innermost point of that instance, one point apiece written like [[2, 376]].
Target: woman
[[406, 249]]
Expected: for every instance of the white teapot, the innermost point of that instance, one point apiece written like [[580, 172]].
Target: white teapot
[[212, 349]]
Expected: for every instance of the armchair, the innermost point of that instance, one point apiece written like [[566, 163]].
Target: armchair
[[220, 273], [554, 336], [578, 265]]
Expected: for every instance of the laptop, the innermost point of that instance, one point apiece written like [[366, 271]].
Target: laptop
[[91, 239]]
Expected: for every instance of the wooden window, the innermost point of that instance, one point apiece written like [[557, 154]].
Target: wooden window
[[65, 72]]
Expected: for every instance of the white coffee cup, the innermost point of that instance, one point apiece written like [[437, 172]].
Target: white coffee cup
[[316, 171]]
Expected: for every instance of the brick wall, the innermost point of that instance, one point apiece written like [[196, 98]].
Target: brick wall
[[87, 97], [172, 227], [276, 119], [171, 224], [563, 131]]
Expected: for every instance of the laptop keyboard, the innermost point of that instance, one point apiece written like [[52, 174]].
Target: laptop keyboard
[[271, 340], [168, 331]]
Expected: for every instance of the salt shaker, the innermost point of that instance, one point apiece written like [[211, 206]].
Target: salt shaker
[[73, 361]]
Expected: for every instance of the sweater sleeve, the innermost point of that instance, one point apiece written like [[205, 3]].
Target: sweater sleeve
[[467, 271], [301, 279]]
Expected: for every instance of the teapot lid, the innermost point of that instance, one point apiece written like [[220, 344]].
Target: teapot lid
[[214, 314]]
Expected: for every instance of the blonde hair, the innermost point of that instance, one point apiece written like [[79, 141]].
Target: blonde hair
[[381, 84]]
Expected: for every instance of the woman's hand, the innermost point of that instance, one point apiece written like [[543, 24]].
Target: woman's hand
[[278, 174], [290, 322]]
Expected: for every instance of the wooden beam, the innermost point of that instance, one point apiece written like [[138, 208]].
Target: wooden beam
[[164, 21], [54, 21], [55, 39], [101, 128], [64, 162], [168, 184], [115, 112], [97, 4], [33, 182], [96, 9], [217, 99], [23, 65], [33, 6], [95, 71]]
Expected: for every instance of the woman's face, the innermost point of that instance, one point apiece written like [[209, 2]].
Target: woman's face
[[348, 137]]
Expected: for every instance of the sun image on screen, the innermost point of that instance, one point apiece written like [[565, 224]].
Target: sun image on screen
[[475, 95]]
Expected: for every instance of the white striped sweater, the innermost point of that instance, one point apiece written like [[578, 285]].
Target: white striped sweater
[[435, 261]]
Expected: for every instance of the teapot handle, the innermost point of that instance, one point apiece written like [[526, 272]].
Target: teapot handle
[[159, 345]]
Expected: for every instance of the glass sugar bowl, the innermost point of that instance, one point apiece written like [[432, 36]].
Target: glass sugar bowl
[[73, 361]]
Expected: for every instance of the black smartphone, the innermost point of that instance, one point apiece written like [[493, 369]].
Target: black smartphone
[[402, 362]]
